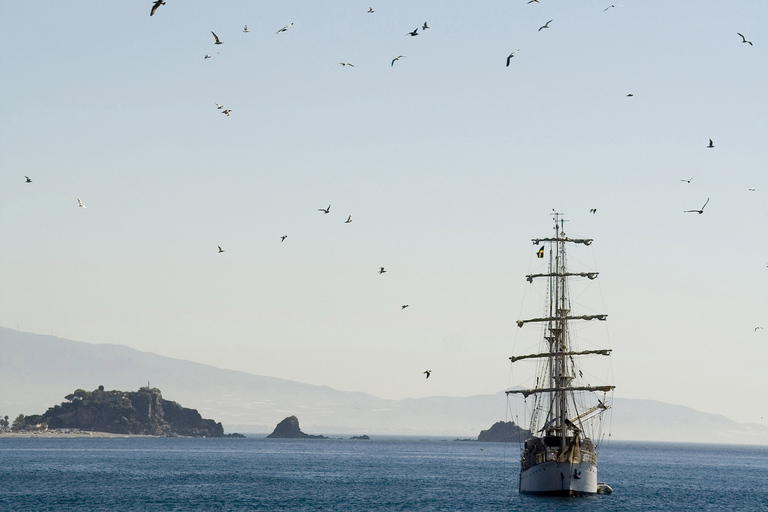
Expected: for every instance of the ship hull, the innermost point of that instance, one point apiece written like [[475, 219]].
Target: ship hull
[[553, 478]]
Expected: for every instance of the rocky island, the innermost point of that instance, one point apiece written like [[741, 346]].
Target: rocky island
[[504, 432], [142, 412], [289, 429]]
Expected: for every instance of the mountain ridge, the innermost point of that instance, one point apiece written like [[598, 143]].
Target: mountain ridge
[[39, 370]]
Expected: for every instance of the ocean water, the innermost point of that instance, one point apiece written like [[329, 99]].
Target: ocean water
[[255, 474]]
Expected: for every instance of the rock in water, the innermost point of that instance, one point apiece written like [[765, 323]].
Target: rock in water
[[503, 432], [289, 429]]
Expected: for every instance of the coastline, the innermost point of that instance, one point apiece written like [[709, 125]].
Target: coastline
[[67, 435]]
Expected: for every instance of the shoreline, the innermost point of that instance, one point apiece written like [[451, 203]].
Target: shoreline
[[68, 435]]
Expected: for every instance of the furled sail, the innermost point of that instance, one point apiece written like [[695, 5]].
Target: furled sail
[[585, 241], [520, 323], [528, 392], [602, 352], [590, 275]]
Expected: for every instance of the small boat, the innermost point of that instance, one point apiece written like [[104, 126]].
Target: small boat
[[560, 458]]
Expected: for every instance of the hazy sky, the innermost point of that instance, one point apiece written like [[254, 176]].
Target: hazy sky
[[448, 161]]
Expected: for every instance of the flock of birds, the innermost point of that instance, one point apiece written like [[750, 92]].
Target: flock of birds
[[415, 32]]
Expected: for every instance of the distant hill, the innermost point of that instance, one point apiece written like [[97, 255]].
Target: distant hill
[[38, 371]]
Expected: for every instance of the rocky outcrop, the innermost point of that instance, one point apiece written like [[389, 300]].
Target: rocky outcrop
[[127, 412], [503, 432], [361, 438], [289, 429]]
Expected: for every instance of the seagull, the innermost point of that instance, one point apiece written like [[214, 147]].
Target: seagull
[[325, 210], [424, 26], [751, 189], [630, 95], [593, 210], [509, 57], [532, 1], [206, 56], [546, 25], [756, 328], [29, 180], [216, 38], [414, 33], [743, 39], [688, 181], [347, 64], [381, 270], [226, 112], [220, 249], [396, 59], [404, 306], [349, 219], [158, 3], [370, 9], [219, 107], [246, 29], [284, 28], [612, 5], [697, 211], [282, 238], [711, 144], [427, 372], [80, 203]]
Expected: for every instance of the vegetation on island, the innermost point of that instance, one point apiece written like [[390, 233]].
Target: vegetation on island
[[142, 412]]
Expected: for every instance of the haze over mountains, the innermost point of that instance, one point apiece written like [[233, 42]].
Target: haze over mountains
[[38, 371]]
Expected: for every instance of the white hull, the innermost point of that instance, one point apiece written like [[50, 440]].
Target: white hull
[[559, 479]]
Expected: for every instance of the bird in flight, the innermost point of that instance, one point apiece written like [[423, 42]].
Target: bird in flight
[[546, 25], [688, 181], [370, 9], [219, 106], [533, 1], [424, 26], [28, 179], [216, 38], [206, 56], [612, 5], [381, 270], [404, 306], [246, 29], [347, 64], [756, 328], [285, 28], [711, 144], [593, 210], [509, 57], [325, 210], [427, 373], [396, 59], [414, 33], [80, 203], [751, 189], [743, 39], [282, 238], [158, 3], [220, 249], [226, 112], [349, 219], [630, 95], [697, 211]]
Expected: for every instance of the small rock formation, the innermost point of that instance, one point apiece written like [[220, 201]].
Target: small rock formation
[[503, 432], [289, 429], [361, 438], [141, 412]]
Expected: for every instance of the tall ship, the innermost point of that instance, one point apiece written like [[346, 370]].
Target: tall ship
[[560, 458]]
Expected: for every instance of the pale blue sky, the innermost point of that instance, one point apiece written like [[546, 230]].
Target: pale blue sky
[[449, 163]]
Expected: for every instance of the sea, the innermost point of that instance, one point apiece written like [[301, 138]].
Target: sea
[[383, 474]]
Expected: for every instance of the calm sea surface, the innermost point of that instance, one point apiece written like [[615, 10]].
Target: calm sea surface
[[148, 474]]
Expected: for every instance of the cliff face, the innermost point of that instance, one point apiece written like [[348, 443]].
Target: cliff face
[[132, 412]]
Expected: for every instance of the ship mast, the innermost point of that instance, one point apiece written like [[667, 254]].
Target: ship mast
[[558, 373]]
